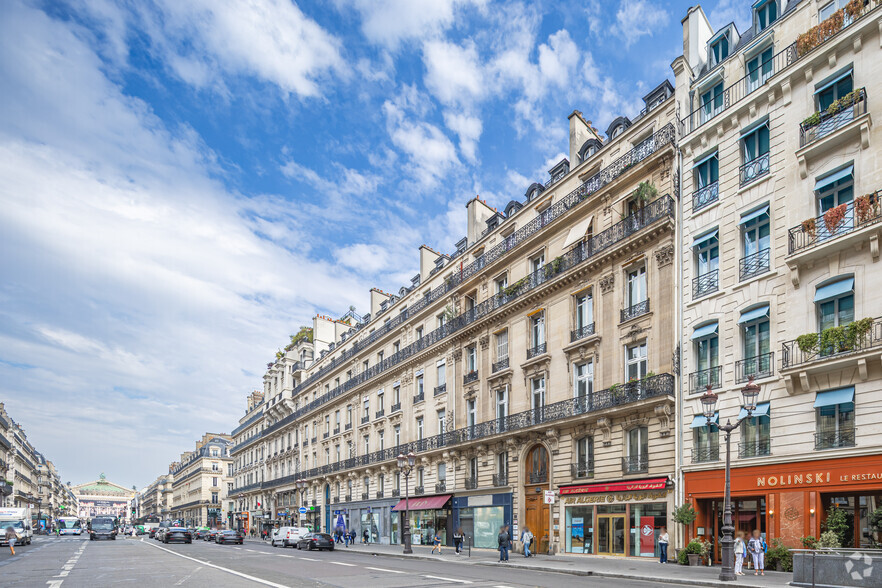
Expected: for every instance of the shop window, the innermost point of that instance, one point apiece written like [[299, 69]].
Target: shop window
[[644, 518], [835, 418], [580, 527]]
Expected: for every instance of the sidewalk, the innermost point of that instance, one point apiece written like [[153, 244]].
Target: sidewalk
[[601, 566]]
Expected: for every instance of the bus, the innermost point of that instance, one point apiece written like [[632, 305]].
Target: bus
[[69, 526]]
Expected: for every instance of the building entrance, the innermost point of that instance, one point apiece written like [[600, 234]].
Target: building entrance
[[611, 534], [535, 509]]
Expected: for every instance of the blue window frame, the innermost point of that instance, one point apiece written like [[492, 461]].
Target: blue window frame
[[766, 13], [760, 69], [834, 89], [755, 143], [719, 50], [712, 102]]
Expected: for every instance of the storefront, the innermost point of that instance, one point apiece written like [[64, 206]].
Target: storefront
[[371, 520], [481, 517], [789, 500], [427, 514], [616, 518]]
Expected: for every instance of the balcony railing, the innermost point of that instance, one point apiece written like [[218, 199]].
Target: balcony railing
[[705, 454], [864, 211], [348, 426], [538, 477], [396, 493], [337, 430], [419, 490], [822, 123], [337, 499], [380, 413], [638, 464], [835, 439], [845, 341], [396, 407], [699, 380], [326, 434], [380, 494], [440, 487], [439, 390], [754, 169], [706, 284], [582, 332], [705, 196], [500, 365], [537, 350], [582, 469], [635, 310], [762, 447], [760, 366], [365, 495], [419, 397], [741, 88], [365, 419], [500, 480], [755, 264], [470, 483], [314, 440], [470, 377]]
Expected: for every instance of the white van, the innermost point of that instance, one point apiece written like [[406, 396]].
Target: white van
[[20, 520], [288, 536]]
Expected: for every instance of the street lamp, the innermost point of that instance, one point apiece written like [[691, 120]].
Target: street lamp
[[405, 465], [749, 393], [302, 485]]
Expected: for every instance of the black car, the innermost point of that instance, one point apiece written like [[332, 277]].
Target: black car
[[318, 541], [201, 533], [177, 534], [211, 534], [229, 537], [102, 528], [151, 532]]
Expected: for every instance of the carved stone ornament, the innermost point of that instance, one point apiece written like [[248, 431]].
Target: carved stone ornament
[[664, 255], [663, 412], [604, 424], [484, 341], [607, 283], [552, 437]]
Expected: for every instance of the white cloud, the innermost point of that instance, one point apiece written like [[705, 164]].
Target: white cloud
[[393, 22], [468, 129], [454, 73], [271, 40], [638, 18], [727, 11]]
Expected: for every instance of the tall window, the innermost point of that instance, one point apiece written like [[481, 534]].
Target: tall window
[[367, 444], [537, 262], [442, 373], [756, 333], [471, 359], [396, 430], [501, 407], [636, 292], [835, 418], [502, 464], [705, 439], [442, 472], [442, 420], [419, 477], [442, 319], [755, 432], [337, 452], [584, 456], [712, 102], [501, 283], [760, 69], [396, 394], [638, 449], [327, 424], [336, 424], [707, 350], [501, 345], [381, 405], [707, 264], [755, 242], [471, 415], [537, 329], [537, 395], [834, 190], [835, 305], [584, 310], [583, 380], [719, 50], [420, 428], [348, 414], [473, 468], [396, 347], [706, 175], [419, 332], [420, 385], [766, 14], [635, 361], [381, 482], [366, 409], [754, 153], [827, 10], [381, 439]]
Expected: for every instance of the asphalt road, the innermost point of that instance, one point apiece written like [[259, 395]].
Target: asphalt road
[[71, 562]]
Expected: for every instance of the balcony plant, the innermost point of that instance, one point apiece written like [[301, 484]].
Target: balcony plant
[[855, 331], [554, 266], [807, 343], [645, 192], [809, 226], [865, 207], [819, 33], [834, 216]]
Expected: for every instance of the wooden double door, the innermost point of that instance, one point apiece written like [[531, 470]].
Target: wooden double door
[[536, 517]]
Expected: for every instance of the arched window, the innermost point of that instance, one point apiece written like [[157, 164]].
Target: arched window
[[538, 462]]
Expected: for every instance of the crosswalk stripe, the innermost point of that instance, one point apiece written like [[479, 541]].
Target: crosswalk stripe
[[385, 570], [447, 579]]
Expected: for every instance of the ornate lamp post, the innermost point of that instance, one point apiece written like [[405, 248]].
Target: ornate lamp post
[[302, 486], [749, 393], [405, 465]]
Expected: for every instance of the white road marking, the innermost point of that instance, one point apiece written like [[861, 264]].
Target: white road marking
[[252, 550], [309, 559], [221, 568], [385, 570], [280, 555], [54, 583], [501, 586], [237, 548], [187, 577], [340, 563], [447, 579]]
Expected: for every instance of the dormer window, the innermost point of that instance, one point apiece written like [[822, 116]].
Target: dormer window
[[766, 13], [617, 131], [719, 50]]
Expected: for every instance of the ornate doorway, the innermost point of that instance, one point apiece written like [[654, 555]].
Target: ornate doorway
[[535, 509]]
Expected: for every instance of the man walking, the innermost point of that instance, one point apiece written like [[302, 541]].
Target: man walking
[[527, 540], [504, 542]]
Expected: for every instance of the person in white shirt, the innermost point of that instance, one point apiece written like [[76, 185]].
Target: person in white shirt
[[663, 540], [527, 540], [739, 554]]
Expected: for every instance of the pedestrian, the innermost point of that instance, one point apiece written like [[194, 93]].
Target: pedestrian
[[503, 541], [364, 537], [663, 545], [11, 536], [436, 542], [346, 537], [527, 540], [756, 546], [458, 538], [739, 554]]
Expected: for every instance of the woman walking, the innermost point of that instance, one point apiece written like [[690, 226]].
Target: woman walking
[[11, 536], [757, 548], [458, 539], [663, 545]]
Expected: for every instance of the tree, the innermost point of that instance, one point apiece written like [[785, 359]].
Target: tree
[[837, 523]]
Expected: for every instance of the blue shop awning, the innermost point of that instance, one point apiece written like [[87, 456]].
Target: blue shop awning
[[754, 214], [754, 314], [705, 331], [825, 181], [700, 420], [834, 289], [762, 409], [834, 397]]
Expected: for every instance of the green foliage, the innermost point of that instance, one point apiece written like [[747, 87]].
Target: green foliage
[[809, 542], [779, 556], [837, 523], [836, 339], [514, 288], [855, 331], [305, 333], [807, 343], [645, 191], [695, 547], [828, 540], [876, 520], [449, 312], [685, 514]]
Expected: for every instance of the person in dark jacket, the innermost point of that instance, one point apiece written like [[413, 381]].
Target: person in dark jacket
[[458, 538], [504, 543]]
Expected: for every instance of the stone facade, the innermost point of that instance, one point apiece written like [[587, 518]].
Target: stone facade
[[201, 482]]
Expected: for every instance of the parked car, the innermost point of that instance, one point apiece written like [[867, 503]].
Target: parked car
[[177, 534], [318, 541], [211, 534], [201, 533], [229, 537], [287, 536]]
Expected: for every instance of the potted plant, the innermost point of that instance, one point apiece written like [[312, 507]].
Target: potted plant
[[691, 555], [807, 343], [809, 542], [685, 514], [828, 540], [865, 207], [779, 557], [855, 332], [809, 227], [834, 216]]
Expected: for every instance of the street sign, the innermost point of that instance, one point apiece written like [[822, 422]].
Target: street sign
[[549, 497], [302, 510]]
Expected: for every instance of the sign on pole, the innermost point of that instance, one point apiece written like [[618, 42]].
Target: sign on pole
[[302, 510], [549, 497]]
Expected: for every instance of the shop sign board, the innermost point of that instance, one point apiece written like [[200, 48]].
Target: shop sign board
[[549, 497]]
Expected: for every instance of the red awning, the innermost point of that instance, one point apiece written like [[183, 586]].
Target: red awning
[[424, 502], [628, 486]]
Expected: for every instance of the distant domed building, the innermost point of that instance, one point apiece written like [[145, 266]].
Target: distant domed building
[[103, 498]]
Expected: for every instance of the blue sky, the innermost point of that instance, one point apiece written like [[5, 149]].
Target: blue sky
[[185, 183]]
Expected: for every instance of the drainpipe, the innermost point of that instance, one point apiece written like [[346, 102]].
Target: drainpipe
[[679, 494]]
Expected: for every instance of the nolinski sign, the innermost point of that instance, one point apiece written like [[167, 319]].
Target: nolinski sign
[[810, 478]]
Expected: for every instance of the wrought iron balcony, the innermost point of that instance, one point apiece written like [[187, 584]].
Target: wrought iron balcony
[[824, 122], [755, 448], [635, 310], [440, 487], [500, 480], [379, 494], [582, 332], [705, 454], [760, 366], [419, 397], [348, 498], [337, 430], [337, 499], [699, 380], [705, 196], [348, 426], [314, 440], [470, 377], [365, 495], [500, 365], [470, 483], [862, 212], [440, 389], [637, 464], [326, 434], [537, 350], [754, 169], [582, 469], [538, 477], [792, 354], [755, 264], [419, 490], [365, 419], [396, 407], [396, 493], [706, 284], [380, 413], [844, 437]]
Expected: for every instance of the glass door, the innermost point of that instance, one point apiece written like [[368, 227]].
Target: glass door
[[611, 534]]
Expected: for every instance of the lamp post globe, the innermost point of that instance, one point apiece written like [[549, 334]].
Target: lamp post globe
[[405, 466]]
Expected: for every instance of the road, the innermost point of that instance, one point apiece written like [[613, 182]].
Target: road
[[70, 562]]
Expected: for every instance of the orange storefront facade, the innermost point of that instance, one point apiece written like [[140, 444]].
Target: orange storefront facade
[[788, 500]]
